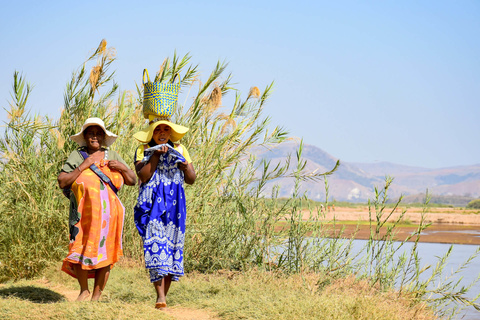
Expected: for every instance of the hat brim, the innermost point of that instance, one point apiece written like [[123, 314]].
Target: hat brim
[[110, 137], [145, 136]]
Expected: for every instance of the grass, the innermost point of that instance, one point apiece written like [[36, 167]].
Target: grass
[[270, 295], [253, 294]]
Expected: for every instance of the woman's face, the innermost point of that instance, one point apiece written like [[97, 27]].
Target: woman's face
[[94, 136], [161, 134]]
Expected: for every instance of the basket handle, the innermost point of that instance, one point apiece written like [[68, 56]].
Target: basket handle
[[145, 71], [175, 77]]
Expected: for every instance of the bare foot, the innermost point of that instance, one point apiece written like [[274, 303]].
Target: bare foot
[[161, 305], [83, 295], [96, 296]]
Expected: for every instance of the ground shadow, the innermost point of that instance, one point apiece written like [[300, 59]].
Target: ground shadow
[[33, 294]]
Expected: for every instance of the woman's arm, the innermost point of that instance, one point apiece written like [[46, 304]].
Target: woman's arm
[[127, 173], [145, 170], [188, 171], [65, 179]]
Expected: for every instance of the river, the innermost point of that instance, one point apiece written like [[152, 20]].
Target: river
[[430, 253]]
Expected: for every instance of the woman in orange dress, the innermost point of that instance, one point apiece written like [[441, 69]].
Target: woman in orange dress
[[93, 174]]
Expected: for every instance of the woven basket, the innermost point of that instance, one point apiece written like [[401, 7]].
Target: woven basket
[[159, 98]]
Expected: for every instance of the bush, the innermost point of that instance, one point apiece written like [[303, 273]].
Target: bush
[[474, 204], [230, 224]]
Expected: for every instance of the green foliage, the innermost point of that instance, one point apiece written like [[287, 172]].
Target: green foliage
[[449, 201], [33, 211], [230, 223], [29, 233], [474, 204]]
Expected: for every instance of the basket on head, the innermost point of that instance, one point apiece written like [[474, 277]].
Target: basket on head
[[159, 98]]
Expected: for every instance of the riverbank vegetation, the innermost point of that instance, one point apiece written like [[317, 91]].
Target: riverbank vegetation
[[232, 224]]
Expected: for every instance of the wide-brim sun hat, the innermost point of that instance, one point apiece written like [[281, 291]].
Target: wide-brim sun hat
[[110, 137], [145, 135]]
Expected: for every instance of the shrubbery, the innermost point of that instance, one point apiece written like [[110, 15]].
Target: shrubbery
[[474, 204]]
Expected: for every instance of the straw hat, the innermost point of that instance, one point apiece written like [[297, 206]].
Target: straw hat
[[146, 134], [80, 139]]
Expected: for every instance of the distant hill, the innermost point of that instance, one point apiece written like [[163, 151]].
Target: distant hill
[[355, 182]]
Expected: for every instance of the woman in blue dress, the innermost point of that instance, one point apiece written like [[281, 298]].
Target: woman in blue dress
[[162, 165]]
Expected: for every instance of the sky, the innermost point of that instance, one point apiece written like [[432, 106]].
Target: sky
[[366, 81]]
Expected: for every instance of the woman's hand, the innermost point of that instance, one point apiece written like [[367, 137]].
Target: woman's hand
[[188, 171], [160, 151], [145, 170], [65, 180], [92, 158], [183, 166], [127, 173], [116, 165]]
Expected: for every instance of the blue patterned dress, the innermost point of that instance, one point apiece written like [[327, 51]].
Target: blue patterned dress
[[160, 215]]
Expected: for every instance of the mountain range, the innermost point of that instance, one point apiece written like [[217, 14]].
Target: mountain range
[[355, 182]]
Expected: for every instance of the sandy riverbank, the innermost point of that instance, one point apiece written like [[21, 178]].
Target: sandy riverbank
[[448, 225]]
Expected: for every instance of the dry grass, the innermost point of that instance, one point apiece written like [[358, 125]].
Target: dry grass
[[270, 295], [221, 295]]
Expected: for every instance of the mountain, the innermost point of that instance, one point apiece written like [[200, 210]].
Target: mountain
[[355, 182]]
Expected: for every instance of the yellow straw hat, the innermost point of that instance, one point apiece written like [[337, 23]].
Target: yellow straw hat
[[146, 134]]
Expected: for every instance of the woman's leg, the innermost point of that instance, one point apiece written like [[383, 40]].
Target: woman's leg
[[82, 277], [101, 277], [167, 280], [162, 287], [159, 288]]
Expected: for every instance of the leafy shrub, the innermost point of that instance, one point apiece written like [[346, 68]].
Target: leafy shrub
[[474, 204]]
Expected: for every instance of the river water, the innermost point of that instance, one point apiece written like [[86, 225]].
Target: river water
[[429, 254]]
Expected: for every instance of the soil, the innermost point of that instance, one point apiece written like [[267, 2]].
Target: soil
[[448, 225]]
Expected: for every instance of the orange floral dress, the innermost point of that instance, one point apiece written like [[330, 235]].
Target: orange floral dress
[[96, 221]]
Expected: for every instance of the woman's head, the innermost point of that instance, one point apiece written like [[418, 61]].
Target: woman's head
[[94, 134], [94, 137], [176, 131], [162, 133]]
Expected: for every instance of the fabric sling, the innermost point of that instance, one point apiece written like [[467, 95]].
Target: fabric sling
[[99, 173]]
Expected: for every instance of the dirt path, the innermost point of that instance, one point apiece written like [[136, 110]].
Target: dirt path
[[176, 312], [189, 314]]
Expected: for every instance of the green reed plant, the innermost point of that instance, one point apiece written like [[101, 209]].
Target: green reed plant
[[231, 224], [33, 213], [29, 207], [297, 248]]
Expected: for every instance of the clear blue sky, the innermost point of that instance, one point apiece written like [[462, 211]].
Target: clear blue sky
[[395, 81]]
